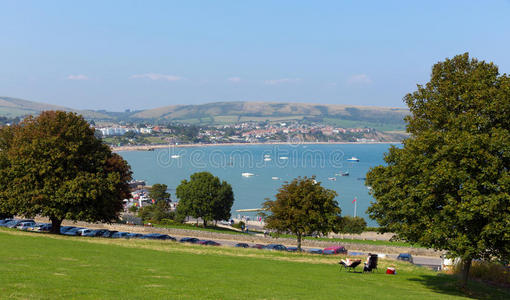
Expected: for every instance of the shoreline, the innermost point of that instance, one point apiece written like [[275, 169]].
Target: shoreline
[[163, 146]]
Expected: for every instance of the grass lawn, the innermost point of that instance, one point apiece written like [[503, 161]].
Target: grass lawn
[[41, 266]]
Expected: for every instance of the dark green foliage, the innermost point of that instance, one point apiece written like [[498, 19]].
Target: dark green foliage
[[448, 186], [303, 207], [353, 224], [158, 192], [157, 212], [205, 197], [54, 166]]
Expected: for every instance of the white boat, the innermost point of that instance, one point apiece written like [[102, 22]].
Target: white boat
[[346, 173], [332, 178], [275, 178], [267, 159], [247, 174], [355, 159], [267, 155], [175, 156], [284, 157]]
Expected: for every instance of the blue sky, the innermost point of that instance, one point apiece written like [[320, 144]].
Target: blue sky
[[120, 55]]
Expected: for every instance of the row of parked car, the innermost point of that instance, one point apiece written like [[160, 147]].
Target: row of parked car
[[278, 247], [31, 225]]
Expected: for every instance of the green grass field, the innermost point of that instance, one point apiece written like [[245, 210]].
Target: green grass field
[[41, 266]]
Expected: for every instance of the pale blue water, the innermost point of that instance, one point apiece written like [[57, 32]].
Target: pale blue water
[[228, 162]]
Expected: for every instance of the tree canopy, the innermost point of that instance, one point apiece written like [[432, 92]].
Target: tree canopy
[[158, 192], [53, 165], [447, 187], [303, 207], [205, 196]]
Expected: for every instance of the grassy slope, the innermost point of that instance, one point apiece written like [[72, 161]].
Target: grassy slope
[[36, 266], [13, 107], [382, 118]]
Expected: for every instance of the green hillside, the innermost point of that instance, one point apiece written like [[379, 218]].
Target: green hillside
[[381, 118], [229, 112], [13, 107]]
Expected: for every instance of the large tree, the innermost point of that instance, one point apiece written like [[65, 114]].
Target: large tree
[[53, 165], [447, 187], [205, 196], [303, 207], [158, 192]]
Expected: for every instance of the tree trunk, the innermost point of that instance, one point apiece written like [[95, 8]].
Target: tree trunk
[[55, 225], [466, 266], [205, 223], [299, 241]]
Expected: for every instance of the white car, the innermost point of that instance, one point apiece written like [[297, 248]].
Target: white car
[[83, 231], [25, 225]]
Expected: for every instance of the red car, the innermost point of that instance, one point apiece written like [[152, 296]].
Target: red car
[[335, 250], [208, 243]]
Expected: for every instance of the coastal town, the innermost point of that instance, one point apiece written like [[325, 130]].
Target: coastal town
[[127, 134]]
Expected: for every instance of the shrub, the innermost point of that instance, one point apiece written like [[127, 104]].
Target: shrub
[[488, 271], [353, 224]]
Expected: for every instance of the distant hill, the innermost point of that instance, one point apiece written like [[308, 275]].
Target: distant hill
[[217, 113], [382, 118], [13, 107]]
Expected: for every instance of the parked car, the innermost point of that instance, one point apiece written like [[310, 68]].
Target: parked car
[[258, 246], [25, 225], [43, 227], [405, 257], [119, 234], [96, 232], [14, 223], [209, 243], [242, 245], [276, 247], [335, 250], [108, 233], [83, 231], [158, 236], [190, 240], [3, 221], [73, 231], [315, 251], [63, 229], [292, 249], [134, 236]]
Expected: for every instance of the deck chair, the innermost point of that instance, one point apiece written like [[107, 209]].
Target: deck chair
[[371, 265], [351, 265]]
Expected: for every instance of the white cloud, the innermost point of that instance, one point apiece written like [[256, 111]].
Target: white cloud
[[234, 79], [359, 79], [282, 80], [77, 77], [155, 76]]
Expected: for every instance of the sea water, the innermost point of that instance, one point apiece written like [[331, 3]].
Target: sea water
[[269, 166]]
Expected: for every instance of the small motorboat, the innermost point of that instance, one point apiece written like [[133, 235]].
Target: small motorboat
[[332, 178], [353, 159], [275, 178], [267, 159], [284, 157], [175, 156], [247, 174]]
